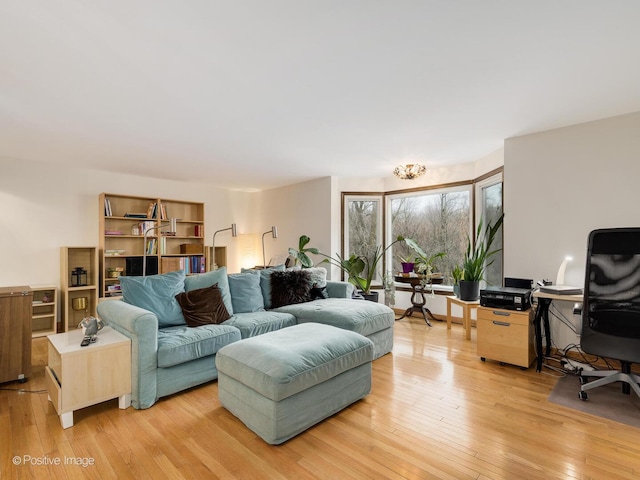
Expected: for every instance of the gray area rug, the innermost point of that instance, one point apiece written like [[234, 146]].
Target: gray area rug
[[607, 401]]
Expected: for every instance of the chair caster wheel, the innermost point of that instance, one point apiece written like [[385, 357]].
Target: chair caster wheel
[[483, 359], [583, 395], [583, 380]]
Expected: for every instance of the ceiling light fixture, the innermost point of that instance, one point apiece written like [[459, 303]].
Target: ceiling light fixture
[[409, 171]]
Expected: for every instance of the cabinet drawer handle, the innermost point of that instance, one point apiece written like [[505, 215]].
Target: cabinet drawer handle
[[501, 324], [501, 313]]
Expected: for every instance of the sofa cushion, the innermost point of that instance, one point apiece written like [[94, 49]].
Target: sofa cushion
[[361, 316], [256, 323], [280, 364], [182, 344], [246, 294], [156, 293], [265, 281], [289, 287], [202, 280], [318, 283], [203, 306]]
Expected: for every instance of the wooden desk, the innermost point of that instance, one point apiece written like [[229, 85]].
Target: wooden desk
[[542, 317], [466, 313]]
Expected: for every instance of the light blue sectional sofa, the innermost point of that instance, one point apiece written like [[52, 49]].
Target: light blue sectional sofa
[[169, 356]]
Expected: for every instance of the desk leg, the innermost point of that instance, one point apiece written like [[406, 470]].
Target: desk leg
[[448, 314], [542, 312], [466, 311]]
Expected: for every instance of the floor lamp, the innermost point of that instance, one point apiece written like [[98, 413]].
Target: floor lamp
[[274, 234], [173, 226], [234, 233]]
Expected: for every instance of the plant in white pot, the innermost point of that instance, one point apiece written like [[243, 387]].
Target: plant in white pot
[[477, 258]]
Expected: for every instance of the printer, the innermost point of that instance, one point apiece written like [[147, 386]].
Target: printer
[[508, 298]]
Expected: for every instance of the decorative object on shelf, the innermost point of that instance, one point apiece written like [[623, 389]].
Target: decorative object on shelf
[[90, 327], [79, 277], [234, 233], [301, 255], [409, 171], [47, 297], [274, 234], [477, 258], [173, 226], [79, 303]]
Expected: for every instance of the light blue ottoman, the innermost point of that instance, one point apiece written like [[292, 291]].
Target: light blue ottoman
[[283, 382]]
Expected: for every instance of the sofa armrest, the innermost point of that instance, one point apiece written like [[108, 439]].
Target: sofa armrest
[[141, 326], [338, 289]]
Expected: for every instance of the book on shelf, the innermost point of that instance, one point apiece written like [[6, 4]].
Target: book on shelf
[[114, 252], [113, 232], [135, 215], [107, 207]]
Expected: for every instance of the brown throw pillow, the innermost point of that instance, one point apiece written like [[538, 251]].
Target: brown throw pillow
[[203, 306], [289, 287]]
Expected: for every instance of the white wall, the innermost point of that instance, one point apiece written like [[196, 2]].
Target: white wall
[[558, 186], [300, 209], [44, 207]]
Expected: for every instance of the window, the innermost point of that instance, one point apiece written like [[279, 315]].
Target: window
[[489, 209], [438, 220], [362, 224]]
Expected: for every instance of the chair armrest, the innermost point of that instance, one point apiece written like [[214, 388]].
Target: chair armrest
[[141, 326], [338, 289]]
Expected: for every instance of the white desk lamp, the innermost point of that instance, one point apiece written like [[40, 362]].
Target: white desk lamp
[[173, 226], [274, 234], [561, 270], [234, 233]]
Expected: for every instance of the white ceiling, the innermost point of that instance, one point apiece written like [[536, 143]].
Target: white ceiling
[[254, 94]]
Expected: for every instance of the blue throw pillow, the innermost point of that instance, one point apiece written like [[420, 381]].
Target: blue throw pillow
[[156, 293], [204, 280], [246, 294], [265, 281]]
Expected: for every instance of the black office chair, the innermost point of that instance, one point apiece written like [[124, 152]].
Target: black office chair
[[611, 310]]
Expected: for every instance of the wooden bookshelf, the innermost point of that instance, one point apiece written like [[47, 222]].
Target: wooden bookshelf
[[123, 221], [78, 301], [44, 316]]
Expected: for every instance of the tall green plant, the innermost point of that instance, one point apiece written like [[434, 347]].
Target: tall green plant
[[477, 258], [301, 254], [360, 269]]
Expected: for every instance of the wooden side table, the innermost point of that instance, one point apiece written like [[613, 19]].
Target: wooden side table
[[78, 377], [466, 313], [417, 298]]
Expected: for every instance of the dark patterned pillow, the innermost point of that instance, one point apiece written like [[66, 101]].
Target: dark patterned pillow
[[289, 287], [203, 306]]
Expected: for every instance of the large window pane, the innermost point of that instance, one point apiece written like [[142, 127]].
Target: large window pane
[[490, 201], [363, 226], [439, 221]]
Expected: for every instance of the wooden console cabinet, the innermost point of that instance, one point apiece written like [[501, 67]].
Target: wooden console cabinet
[[15, 333], [505, 336]]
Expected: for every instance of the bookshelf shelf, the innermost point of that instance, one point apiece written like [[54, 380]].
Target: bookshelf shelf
[[71, 258], [44, 316], [122, 242]]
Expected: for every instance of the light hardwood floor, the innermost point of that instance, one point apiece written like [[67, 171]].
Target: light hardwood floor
[[436, 411]]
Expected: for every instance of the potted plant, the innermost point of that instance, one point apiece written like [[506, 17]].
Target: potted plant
[[407, 264], [301, 255], [360, 269], [477, 259], [456, 273], [424, 263]]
